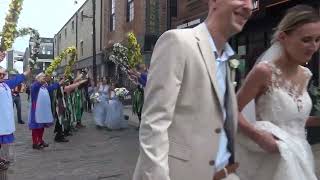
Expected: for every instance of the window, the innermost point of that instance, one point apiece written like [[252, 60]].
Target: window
[[81, 48], [130, 10], [112, 15], [65, 32], [43, 50], [72, 26]]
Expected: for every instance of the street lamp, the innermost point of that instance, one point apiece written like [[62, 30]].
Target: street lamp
[[94, 63]]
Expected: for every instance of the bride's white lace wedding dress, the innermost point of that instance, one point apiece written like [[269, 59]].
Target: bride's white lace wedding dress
[[282, 111]]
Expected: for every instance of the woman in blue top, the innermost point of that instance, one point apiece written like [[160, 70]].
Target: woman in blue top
[[7, 127], [40, 116]]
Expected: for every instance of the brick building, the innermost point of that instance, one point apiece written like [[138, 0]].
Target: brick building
[[146, 18], [114, 19]]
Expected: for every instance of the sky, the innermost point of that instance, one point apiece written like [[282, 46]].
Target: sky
[[46, 16]]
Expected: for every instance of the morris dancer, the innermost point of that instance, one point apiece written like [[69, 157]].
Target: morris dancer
[[40, 116], [7, 127], [62, 122], [139, 77]]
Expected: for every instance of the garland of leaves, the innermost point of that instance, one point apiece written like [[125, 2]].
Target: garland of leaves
[[68, 69], [9, 28], [56, 62], [35, 37], [119, 56], [126, 57], [134, 51]]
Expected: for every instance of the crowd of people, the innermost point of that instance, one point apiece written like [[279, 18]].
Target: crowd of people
[[60, 101]]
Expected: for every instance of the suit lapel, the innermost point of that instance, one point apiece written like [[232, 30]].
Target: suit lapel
[[208, 57]]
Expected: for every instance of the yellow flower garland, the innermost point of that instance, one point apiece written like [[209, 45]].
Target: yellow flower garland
[[68, 69], [134, 51], [9, 29], [56, 62]]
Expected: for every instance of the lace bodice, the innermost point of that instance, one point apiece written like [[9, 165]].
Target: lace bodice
[[286, 103]]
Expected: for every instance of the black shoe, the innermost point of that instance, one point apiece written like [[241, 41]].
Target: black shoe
[[3, 166], [21, 122], [43, 144], [61, 140], [37, 146], [5, 162]]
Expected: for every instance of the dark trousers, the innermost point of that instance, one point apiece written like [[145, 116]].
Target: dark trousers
[[17, 103], [89, 104], [58, 130], [140, 110]]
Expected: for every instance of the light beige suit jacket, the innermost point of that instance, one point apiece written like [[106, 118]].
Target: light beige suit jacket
[[182, 114]]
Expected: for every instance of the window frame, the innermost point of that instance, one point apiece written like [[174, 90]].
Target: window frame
[[130, 10]]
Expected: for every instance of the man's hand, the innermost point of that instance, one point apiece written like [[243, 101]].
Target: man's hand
[[2, 55], [62, 81], [27, 72]]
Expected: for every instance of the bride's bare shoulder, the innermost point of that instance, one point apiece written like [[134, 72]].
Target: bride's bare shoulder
[[262, 71]]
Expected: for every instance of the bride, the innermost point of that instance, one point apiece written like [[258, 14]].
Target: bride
[[274, 147]]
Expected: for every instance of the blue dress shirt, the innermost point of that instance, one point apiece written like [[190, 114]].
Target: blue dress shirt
[[223, 154]]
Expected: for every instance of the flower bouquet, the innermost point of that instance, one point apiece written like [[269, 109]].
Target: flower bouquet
[[95, 97], [121, 93]]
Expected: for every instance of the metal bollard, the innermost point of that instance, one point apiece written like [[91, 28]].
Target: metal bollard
[[3, 175]]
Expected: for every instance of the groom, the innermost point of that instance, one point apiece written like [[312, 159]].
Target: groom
[[189, 117]]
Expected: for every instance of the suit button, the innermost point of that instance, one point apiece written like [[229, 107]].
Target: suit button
[[218, 130], [211, 163]]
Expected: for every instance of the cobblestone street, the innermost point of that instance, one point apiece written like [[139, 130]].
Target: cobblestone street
[[91, 154]]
